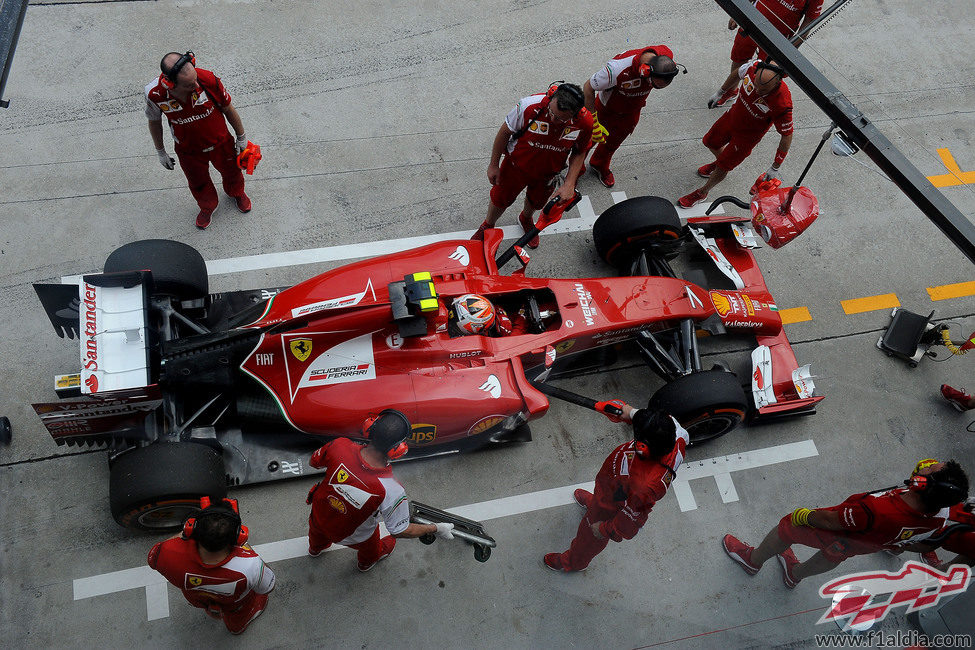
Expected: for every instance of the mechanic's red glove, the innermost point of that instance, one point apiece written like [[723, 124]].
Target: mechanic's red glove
[[311, 493], [317, 459], [502, 323], [613, 409]]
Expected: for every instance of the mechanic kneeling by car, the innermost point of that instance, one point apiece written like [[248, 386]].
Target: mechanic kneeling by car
[[211, 563], [631, 480], [359, 489]]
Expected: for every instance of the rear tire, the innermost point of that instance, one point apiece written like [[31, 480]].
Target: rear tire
[[178, 270], [155, 488], [709, 403], [634, 224]]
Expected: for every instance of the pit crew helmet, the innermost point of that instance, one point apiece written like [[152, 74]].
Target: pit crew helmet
[[475, 313], [388, 431]]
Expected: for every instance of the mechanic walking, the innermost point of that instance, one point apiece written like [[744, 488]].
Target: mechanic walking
[[195, 103], [764, 100], [617, 93], [896, 519], [359, 489], [540, 136], [631, 480], [785, 16], [213, 566]]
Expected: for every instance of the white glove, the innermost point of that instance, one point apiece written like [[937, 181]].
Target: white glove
[[772, 172], [444, 531], [241, 143], [165, 159]]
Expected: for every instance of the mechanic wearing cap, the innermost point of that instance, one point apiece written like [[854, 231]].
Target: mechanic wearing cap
[[896, 519], [617, 93], [785, 16], [764, 100], [359, 489], [195, 103], [631, 480], [540, 136], [211, 563]]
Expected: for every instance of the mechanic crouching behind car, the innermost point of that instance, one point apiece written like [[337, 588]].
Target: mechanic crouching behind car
[[211, 563], [359, 488], [632, 479]]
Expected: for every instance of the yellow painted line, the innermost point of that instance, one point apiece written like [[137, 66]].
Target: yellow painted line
[[957, 290], [870, 303], [795, 315], [955, 175]]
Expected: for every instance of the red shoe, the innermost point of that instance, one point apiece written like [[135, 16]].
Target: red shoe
[[605, 176], [315, 553], [582, 497], [386, 545], [721, 98], [788, 561], [740, 553], [243, 203], [931, 559], [693, 198], [528, 224], [554, 562], [957, 398], [203, 219], [705, 171]]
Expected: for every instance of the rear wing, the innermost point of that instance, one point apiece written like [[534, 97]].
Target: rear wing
[[108, 313], [123, 415]]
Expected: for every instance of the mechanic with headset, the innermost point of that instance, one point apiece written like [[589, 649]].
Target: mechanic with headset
[[359, 490], [631, 480], [540, 136], [764, 100], [211, 563], [617, 93], [895, 519], [785, 16], [195, 103]]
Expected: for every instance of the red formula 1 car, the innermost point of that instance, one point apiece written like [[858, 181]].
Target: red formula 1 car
[[193, 392]]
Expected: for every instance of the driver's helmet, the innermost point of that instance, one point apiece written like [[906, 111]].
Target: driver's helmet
[[474, 313]]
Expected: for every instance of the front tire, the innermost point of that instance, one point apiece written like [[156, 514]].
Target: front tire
[[644, 222], [155, 488], [709, 403]]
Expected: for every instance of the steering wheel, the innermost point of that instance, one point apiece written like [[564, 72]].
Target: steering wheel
[[534, 316]]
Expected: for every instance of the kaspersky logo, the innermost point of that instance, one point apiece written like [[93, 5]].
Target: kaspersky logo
[[862, 599]]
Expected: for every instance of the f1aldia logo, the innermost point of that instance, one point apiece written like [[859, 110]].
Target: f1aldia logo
[[861, 599]]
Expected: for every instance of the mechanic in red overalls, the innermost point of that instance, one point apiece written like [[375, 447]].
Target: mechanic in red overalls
[[631, 480], [617, 93], [195, 103], [898, 519], [540, 136], [785, 16], [359, 490], [211, 563], [764, 100]]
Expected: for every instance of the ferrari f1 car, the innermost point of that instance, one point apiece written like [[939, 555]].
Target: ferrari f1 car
[[193, 392]]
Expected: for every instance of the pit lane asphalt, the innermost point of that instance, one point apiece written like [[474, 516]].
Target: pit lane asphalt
[[376, 120]]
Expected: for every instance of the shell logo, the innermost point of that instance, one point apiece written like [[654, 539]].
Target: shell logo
[[721, 303], [336, 503]]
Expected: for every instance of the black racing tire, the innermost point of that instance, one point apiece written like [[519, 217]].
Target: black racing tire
[[154, 488], [178, 269], [634, 224], [709, 403], [6, 433]]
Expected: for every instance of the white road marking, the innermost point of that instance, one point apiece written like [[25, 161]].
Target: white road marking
[[157, 593], [585, 220]]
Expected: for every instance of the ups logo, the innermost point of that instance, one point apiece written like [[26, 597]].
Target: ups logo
[[423, 433]]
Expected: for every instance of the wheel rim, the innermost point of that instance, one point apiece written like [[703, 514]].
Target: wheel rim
[[712, 425], [166, 517]]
